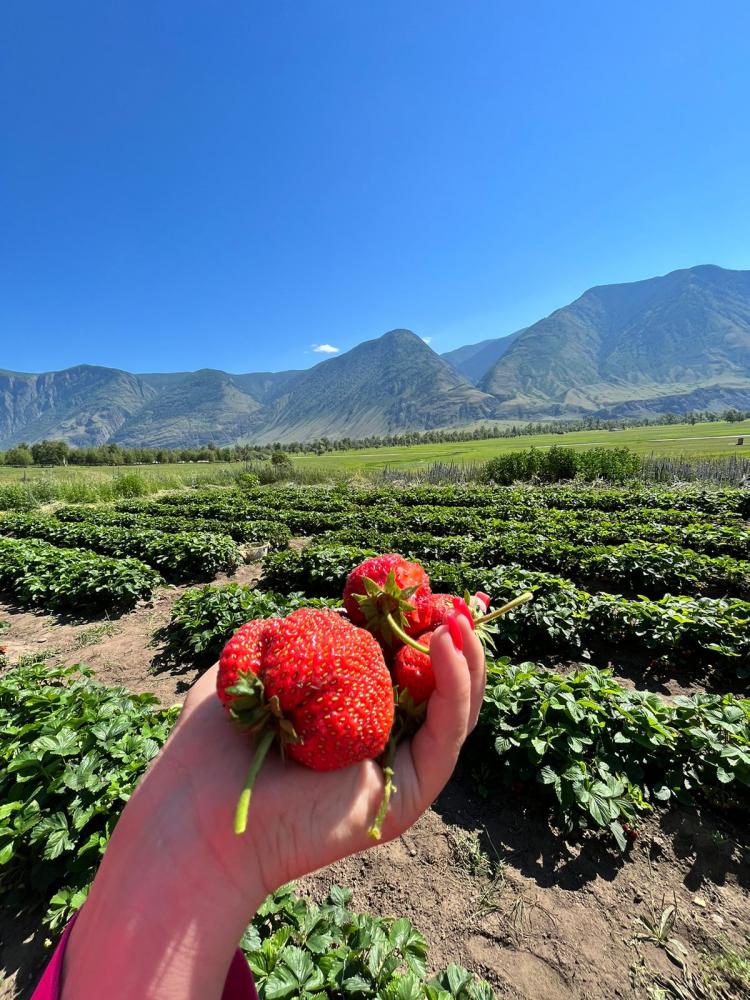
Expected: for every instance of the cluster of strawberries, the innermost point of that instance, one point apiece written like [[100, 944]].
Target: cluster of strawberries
[[327, 686], [392, 599]]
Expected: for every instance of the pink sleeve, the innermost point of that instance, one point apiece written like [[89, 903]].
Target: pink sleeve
[[239, 984]]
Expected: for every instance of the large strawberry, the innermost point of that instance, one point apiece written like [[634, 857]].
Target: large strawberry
[[387, 595], [312, 681]]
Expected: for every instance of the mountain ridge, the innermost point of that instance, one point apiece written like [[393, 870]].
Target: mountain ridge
[[675, 342], [669, 336]]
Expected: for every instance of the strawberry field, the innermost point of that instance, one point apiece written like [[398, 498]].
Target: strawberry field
[[593, 841]]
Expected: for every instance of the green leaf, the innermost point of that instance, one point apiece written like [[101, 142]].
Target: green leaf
[[8, 808], [619, 834], [357, 984]]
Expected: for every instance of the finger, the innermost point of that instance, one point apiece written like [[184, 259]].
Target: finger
[[436, 745], [474, 655], [204, 687]]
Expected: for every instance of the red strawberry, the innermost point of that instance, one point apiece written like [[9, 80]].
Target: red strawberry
[[314, 682], [242, 654], [412, 670], [441, 606], [387, 594]]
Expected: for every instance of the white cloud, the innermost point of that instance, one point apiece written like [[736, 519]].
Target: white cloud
[[325, 349], [427, 340]]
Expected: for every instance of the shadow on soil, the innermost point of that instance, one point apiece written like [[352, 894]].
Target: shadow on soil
[[22, 949], [518, 831]]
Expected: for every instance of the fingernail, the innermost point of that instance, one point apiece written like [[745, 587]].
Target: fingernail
[[454, 630], [462, 608], [484, 597]]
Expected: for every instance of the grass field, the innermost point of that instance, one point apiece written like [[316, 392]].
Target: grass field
[[718, 438], [170, 475], [705, 440]]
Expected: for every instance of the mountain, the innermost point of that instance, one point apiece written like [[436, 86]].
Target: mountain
[[204, 406], [83, 405], [382, 386], [673, 343], [194, 408], [392, 384], [677, 342], [475, 360]]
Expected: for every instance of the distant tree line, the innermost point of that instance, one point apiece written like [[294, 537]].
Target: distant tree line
[[48, 453]]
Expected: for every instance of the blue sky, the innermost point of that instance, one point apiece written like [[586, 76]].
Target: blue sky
[[188, 185]]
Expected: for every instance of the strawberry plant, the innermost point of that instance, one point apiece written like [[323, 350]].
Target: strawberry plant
[[300, 950], [562, 618], [182, 556], [678, 629], [261, 532], [320, 570], [36, 573], [608, 753], [72, 751], [642, 567]]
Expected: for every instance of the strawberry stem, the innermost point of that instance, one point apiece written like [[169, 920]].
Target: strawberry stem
[[243, 803], [389, 788], [521, 599], [398, 631]]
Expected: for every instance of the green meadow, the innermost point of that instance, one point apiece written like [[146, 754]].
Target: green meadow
[[705, 440]]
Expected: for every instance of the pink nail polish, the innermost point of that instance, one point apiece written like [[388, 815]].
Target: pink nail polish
[[454, 630], [462, 608]]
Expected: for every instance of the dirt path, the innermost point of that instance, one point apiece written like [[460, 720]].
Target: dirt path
[[485, 879]]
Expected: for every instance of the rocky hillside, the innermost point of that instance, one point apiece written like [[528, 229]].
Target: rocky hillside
[[676, 343]]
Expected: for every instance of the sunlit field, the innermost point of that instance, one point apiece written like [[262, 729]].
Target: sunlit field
[[704, 440]]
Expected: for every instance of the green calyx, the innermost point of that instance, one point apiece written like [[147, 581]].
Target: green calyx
[[262, 716], [384, 605]]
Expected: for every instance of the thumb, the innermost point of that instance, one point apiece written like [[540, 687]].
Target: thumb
[[436, 745]]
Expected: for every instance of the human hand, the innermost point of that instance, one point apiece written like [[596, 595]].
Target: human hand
[[301, 820], [177, 886]]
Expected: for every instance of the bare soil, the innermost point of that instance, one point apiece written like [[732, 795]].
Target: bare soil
[[486, 879]]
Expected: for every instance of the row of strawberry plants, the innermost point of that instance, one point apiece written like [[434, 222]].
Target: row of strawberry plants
[[607, 754], [643, 567], [183, 556], [595, 528], [299, 950], [37, 574], [566, 497], [681, 631], [495, 502], [563, 619], [72, 752], [260, 532], [731, 538], [592, 529]]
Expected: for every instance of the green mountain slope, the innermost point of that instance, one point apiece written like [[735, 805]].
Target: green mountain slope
[[681, 341], [84, 405], [473, 361], [203, 406], [677, 342], [382, 386]]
